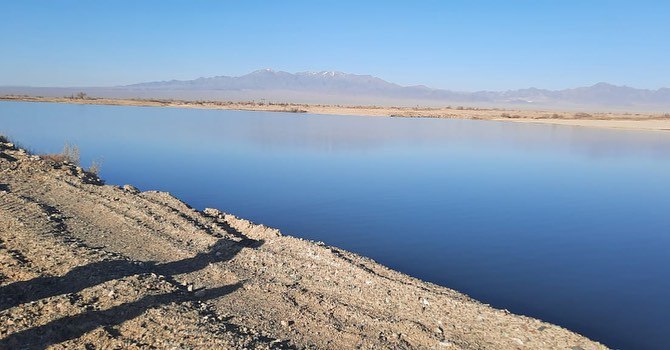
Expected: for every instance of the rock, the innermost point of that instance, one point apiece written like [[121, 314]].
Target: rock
[[212, 212], [131, 189]]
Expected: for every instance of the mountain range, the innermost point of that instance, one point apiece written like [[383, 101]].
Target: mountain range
[[333, 87], [331, 83]]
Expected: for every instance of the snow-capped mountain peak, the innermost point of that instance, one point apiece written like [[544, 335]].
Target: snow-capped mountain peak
[[324, 73]]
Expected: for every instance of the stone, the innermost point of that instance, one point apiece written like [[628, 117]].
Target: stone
[[131, 189]]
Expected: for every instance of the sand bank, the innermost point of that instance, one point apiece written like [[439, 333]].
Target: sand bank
[[629, 121]]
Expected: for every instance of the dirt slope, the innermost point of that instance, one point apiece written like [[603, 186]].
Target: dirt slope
[[90, 266]]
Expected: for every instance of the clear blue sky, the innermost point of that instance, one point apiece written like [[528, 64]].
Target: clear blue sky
[[462, 45]]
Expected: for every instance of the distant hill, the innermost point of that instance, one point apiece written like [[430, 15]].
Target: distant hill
[[344, 84], [343, 88], [326, 82]]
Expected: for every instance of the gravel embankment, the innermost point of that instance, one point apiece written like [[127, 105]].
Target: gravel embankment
[[91, 266]]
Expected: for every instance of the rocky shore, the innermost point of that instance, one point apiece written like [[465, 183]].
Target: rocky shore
[[90, 266]]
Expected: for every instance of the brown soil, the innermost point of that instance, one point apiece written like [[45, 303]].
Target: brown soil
[[90, 266]]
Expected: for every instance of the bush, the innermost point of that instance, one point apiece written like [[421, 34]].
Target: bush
[[70, 154], [296, 110], [55, 157], [94, 168], [511, 116]]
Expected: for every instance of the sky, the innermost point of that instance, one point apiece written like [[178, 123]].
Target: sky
[[463, 45]]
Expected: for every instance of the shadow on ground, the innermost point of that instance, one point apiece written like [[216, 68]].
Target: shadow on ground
[[83, 277]]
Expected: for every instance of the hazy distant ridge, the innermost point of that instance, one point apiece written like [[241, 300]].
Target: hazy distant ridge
[[330, 87], [350, 85]]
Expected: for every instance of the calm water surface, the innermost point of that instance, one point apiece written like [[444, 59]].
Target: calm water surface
[[571, 225]]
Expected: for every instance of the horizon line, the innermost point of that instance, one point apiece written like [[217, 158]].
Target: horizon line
[[331, 71]]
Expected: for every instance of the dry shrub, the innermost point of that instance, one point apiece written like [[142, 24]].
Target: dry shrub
[[95, 167], [56, 158], [297, 110], [70, 155], [511, 116]]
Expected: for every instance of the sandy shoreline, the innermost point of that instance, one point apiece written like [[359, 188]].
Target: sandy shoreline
[[88, 265], [627, 121]]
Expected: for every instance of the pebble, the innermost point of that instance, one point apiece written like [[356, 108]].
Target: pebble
[[517, 341]]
